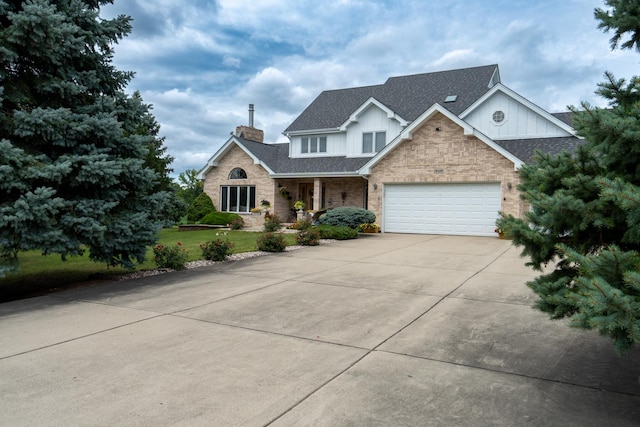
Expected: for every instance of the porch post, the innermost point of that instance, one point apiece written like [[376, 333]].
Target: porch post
[[317, 194]]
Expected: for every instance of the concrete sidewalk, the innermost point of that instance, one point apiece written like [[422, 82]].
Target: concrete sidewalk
[[385, 330]]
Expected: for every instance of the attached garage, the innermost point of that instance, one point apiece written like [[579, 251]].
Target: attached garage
[[458, 209]]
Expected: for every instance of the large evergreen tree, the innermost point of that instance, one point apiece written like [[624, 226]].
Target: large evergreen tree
[[585, 207], [74, 169]]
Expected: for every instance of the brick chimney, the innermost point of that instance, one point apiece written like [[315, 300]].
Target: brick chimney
[[249, 132]]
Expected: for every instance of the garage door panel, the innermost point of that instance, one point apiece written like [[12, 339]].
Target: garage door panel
[[464, 209]]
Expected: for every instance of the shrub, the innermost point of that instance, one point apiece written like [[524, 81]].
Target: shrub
[[308, 237], [201, 206], [237, 224], [301, 224], [271, 242], [347, 216], [272, 223], [369, 227], [216, 250], [337, 233], [220, 218], [173, 257]]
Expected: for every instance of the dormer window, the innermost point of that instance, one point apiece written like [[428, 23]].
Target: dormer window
[[373, 140], [313, 144], [238, 173]]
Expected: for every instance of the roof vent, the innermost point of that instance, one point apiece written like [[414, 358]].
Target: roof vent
[[451, 98]]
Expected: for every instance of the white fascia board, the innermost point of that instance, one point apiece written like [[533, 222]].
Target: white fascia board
[[213, 160], [353, 118], [521, 99], [354, 174], [311, 132]]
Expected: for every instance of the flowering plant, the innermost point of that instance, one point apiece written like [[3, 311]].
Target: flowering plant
[[216, 250], [173, 257], [299, 205], [308, 237]]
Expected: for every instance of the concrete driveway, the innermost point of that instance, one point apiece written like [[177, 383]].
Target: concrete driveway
[[385, 330]]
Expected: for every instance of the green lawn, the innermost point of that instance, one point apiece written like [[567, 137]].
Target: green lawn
[[40, 274]]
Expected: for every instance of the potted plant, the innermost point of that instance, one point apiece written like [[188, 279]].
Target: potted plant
[[299, 205], [500, 232]]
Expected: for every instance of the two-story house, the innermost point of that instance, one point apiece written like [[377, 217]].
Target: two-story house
[[434, 153]]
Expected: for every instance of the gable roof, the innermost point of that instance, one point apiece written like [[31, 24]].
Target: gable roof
[[407, 134], [408, 96], [499, 87]]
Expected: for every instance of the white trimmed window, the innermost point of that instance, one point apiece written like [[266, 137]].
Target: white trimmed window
[[373, 141], [313, 144], [237, 198]]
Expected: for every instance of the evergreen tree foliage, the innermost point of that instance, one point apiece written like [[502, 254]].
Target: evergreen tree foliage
[[585, 209], [199, 208], [81, 166]]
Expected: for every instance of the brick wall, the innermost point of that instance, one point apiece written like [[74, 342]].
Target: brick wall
[[445, 156], [256, 175]]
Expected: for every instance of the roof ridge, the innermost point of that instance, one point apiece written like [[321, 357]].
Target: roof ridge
[[442, 71]]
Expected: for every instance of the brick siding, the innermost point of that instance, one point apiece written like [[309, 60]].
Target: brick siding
[[445, 156]]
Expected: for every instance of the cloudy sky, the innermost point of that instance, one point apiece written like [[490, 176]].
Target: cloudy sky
[[201, 62]]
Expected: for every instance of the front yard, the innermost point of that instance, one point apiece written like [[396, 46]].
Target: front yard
[[40, 274]]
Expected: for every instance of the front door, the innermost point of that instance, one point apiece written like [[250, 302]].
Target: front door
[[306, 194]]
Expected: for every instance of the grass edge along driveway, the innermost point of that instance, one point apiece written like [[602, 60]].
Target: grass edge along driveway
[[40, 274]]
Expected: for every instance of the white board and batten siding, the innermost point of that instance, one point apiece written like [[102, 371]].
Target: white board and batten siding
[[455, 209], [519, 120]]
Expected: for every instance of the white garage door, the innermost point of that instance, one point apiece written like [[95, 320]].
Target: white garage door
[[461, 209]]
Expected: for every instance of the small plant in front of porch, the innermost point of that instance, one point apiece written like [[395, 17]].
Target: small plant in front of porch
[[271, 242], [369, 227], [256, 210], [236, 224], [302, 224], [173, 257], [272, 223], [308, 237], [216, 250]]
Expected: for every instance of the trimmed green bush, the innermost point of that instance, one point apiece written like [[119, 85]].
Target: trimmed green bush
[[271, 242], [308, 237], [201, 206], [337, 233], [216, 250], [220, 218], [347, 216]]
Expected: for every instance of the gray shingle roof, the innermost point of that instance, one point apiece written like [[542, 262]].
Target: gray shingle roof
[[565, 117], [276, 157], [524, 149], [408, 96]]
